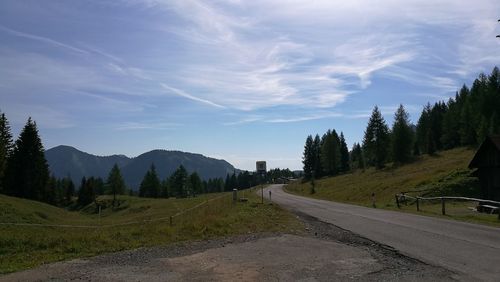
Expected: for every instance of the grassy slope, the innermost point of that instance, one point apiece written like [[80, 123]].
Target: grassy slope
[[428, 171], [24, 247]]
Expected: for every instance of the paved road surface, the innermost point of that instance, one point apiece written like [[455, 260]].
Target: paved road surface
[[471, 250]]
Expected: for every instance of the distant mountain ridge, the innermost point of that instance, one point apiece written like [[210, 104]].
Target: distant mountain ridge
[[69, 161]]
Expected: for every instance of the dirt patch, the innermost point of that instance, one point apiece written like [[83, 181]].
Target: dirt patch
[[323, 252]]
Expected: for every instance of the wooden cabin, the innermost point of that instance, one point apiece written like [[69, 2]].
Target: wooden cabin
[[487, 164]]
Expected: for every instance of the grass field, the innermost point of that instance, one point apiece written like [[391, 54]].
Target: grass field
[[23, 247], [444, 174]]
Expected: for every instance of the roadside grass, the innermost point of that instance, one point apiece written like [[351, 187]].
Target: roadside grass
[[443, 174], [23, 247]]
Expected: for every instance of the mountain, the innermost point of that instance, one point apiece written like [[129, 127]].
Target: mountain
[[66, 160]]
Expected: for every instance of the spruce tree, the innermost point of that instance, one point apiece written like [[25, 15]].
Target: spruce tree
[[376, 140], [178, 183], [150, 185], [357, 159], [195, 183], [115, 183], [27, 173], [6, 147], [308, 158], [330, 153], [86, 193], [317, 168], [344, 154], [402, 135], [424, 130], [165, 189], [451, 125]]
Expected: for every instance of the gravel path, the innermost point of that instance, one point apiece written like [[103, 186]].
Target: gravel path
[[323, 252]]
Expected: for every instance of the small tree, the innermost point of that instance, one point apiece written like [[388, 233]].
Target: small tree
[[115, 182], [150, 185], [178, 182], [195, 183], [86, 193]]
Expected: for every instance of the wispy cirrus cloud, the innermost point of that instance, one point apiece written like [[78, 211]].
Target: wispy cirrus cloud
[[43, 39], [189, 96]]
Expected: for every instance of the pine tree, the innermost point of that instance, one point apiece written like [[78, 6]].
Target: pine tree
[[357, 158], [308, 158], [451, 125], [27, 173], [423, 130], [178, 183], [376, 141], [115, 182], [150, 185], [402, 135], [6, 147], [195, 183], [344, 154], [165, 189], [86, 193], [330, 153], [69, 190], [317, 167]]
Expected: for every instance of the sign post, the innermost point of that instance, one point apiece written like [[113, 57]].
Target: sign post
[[261, 170]]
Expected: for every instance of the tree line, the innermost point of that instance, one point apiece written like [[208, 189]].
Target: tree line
[[24, 172], [464, 120]]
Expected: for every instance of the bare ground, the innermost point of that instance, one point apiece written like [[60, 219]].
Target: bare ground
[[323, 252]]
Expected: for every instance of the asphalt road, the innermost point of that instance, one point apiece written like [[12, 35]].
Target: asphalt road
[[472, 251]]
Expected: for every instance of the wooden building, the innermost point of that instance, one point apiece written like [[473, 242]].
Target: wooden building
[[487, 162]]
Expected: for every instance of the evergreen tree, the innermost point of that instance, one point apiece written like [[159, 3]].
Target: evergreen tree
[[308, 158], [344, 154], [6, 147], [27, 173], [467, 130], [150, 185], [115, 183], [330, 153], [178, 183], [86, 193], [376, 140], [402, 135], [195, 183], [69, 190], [227, 183], [424, 130], [357, 158], [317, 168], [165, 189], [451, 125]]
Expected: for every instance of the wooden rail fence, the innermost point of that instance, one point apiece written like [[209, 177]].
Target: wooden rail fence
[[402, 197]]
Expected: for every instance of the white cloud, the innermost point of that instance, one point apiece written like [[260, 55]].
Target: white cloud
[[43, 39], [189, 96]]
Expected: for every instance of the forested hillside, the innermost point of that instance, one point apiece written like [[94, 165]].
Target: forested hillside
[[464, 120]]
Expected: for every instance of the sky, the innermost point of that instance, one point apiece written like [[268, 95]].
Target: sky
[[235, 80]]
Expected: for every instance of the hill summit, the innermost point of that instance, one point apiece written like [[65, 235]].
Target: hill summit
[[68, 161]]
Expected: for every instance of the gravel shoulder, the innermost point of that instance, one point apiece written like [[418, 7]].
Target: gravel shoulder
[[321, 252]]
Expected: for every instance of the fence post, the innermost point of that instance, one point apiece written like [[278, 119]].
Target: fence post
[[443, 211], [418, 206], [397, 201], [170, 220]]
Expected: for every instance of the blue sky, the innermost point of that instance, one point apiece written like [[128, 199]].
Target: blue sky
[[238, 80]]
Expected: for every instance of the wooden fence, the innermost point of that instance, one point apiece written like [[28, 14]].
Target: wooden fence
[[402, 197]]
